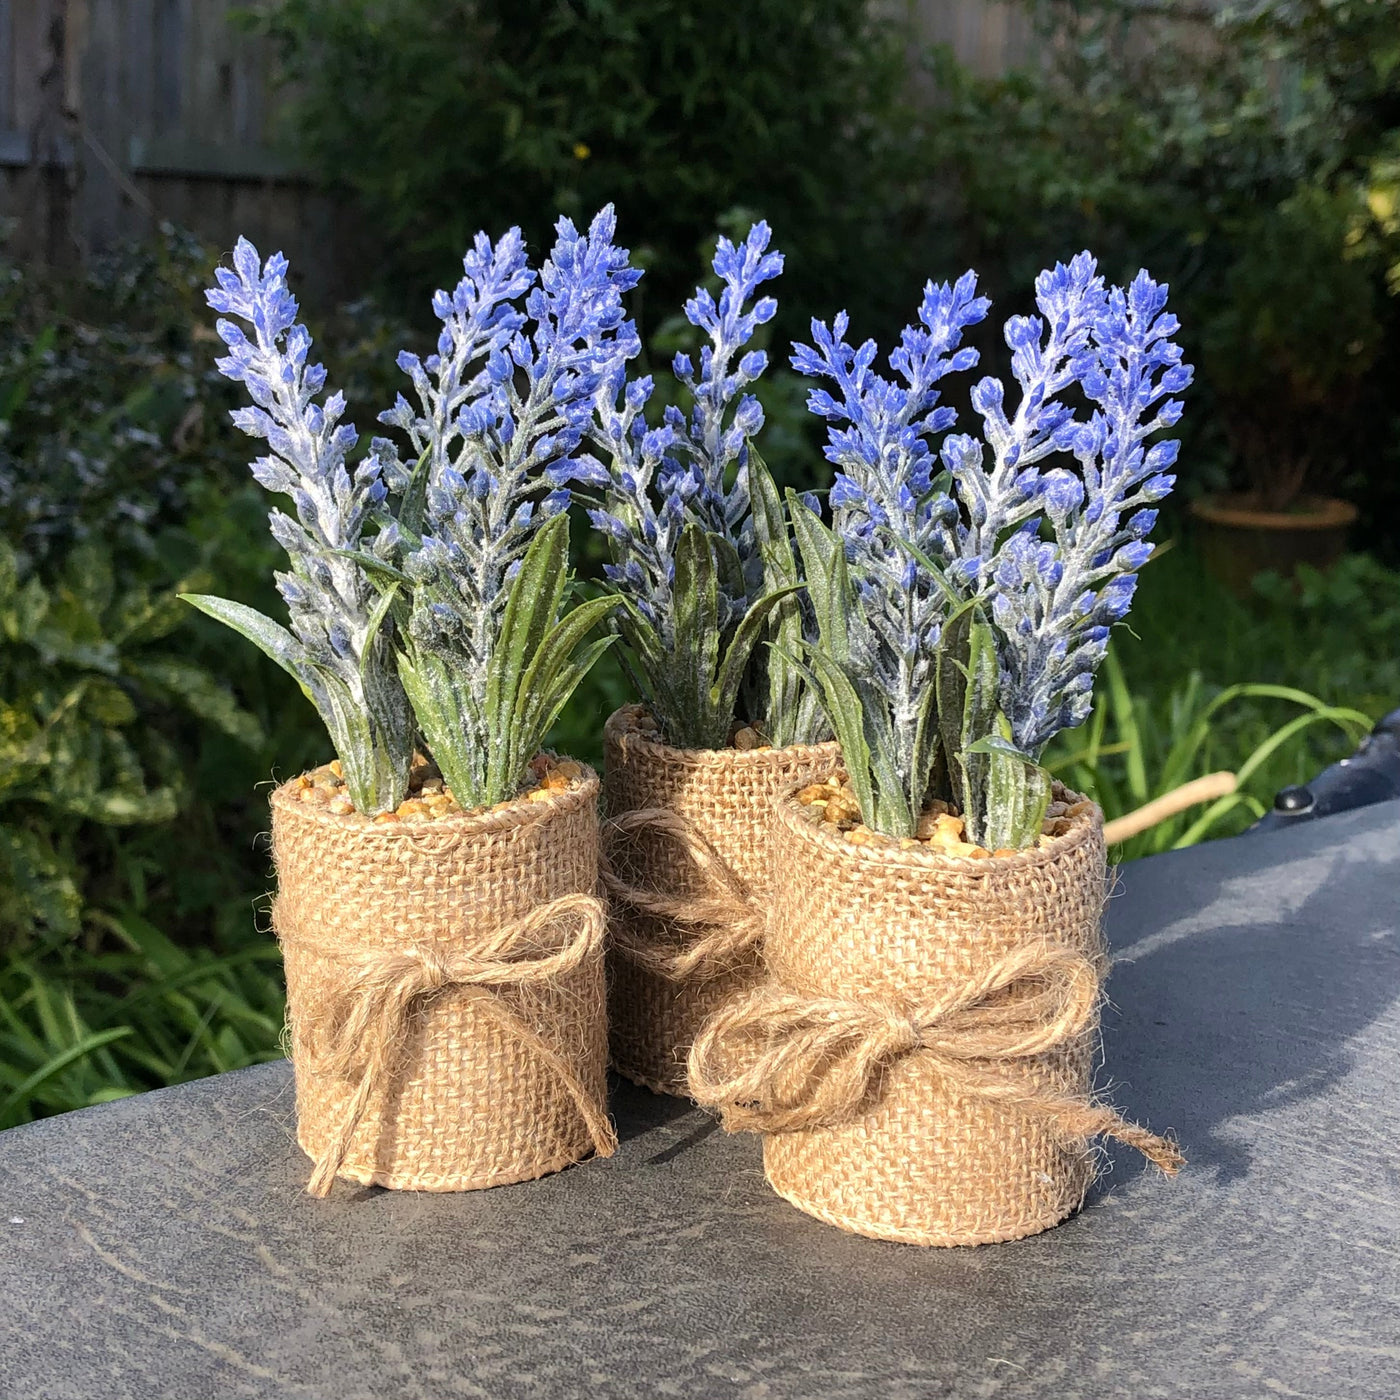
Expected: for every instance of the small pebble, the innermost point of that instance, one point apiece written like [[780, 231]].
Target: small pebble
[[317, 796], [747, 738], [335, 768], [940, 827], [387, 819], [341, 805]]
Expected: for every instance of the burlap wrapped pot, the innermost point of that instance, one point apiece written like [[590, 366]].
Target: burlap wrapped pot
[[445, 991], [920, 1058], [686, 869]]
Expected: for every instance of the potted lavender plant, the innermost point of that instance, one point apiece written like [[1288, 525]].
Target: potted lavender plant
[[919, 1060], [438, 918], [704, 569]]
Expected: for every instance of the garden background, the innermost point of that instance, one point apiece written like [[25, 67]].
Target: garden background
[[1249, 155]]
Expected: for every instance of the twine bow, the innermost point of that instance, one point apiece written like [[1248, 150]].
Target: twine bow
[[384, 989], [813, 1062], [728, 909]]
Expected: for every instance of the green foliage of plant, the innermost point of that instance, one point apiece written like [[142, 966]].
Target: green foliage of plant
[[440, 118], [696, 683], [1161, 742], [1322, 657], [81, 1025], [1250, 162], [541, 657], [135, 744], [962, 745]]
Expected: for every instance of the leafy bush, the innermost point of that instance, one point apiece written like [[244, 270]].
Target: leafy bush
[[440, 118], [132, 738], [1251, 164]]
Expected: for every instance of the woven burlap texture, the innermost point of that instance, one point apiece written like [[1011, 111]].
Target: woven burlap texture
[[490, 1079], [723, 798], [880, 930]]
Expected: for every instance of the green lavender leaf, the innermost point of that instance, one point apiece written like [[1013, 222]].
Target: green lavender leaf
[[696, 656], [1017, 791], [531, 608], [847, 715]]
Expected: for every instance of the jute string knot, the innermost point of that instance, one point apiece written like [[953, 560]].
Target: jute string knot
[[383, 989], [727, 908], [776, 1061]]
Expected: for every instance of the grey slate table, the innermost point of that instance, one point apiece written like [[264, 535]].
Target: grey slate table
[[160, 1246]]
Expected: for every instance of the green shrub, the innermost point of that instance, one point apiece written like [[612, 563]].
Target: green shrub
[[443, 117], [133, 740], [1251, 164]]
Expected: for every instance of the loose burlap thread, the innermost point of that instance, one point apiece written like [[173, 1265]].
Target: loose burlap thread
[[686, 868], [445, 988], [920, 1058]]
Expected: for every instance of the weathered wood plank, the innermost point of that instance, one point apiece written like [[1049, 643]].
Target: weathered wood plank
[[180, 155], [7, 66]]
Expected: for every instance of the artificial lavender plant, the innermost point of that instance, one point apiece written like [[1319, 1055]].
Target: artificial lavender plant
[[964, 599], [336, 648], [480, 544], [451, 611], [702, 561]]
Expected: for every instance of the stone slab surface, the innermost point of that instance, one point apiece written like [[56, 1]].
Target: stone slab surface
[[160, 1246]]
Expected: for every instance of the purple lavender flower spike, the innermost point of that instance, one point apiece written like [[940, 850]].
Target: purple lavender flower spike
[[335, 648], [883, 501], [1049, 554], [502, 410], [693, 471], [1055, 633]]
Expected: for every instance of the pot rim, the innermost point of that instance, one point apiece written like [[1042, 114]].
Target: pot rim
[[1086, 826], [1323, 513], [621, 730], [520, 812]]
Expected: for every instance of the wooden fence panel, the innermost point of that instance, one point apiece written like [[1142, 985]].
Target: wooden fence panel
[[989, 36], [160, 110]]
